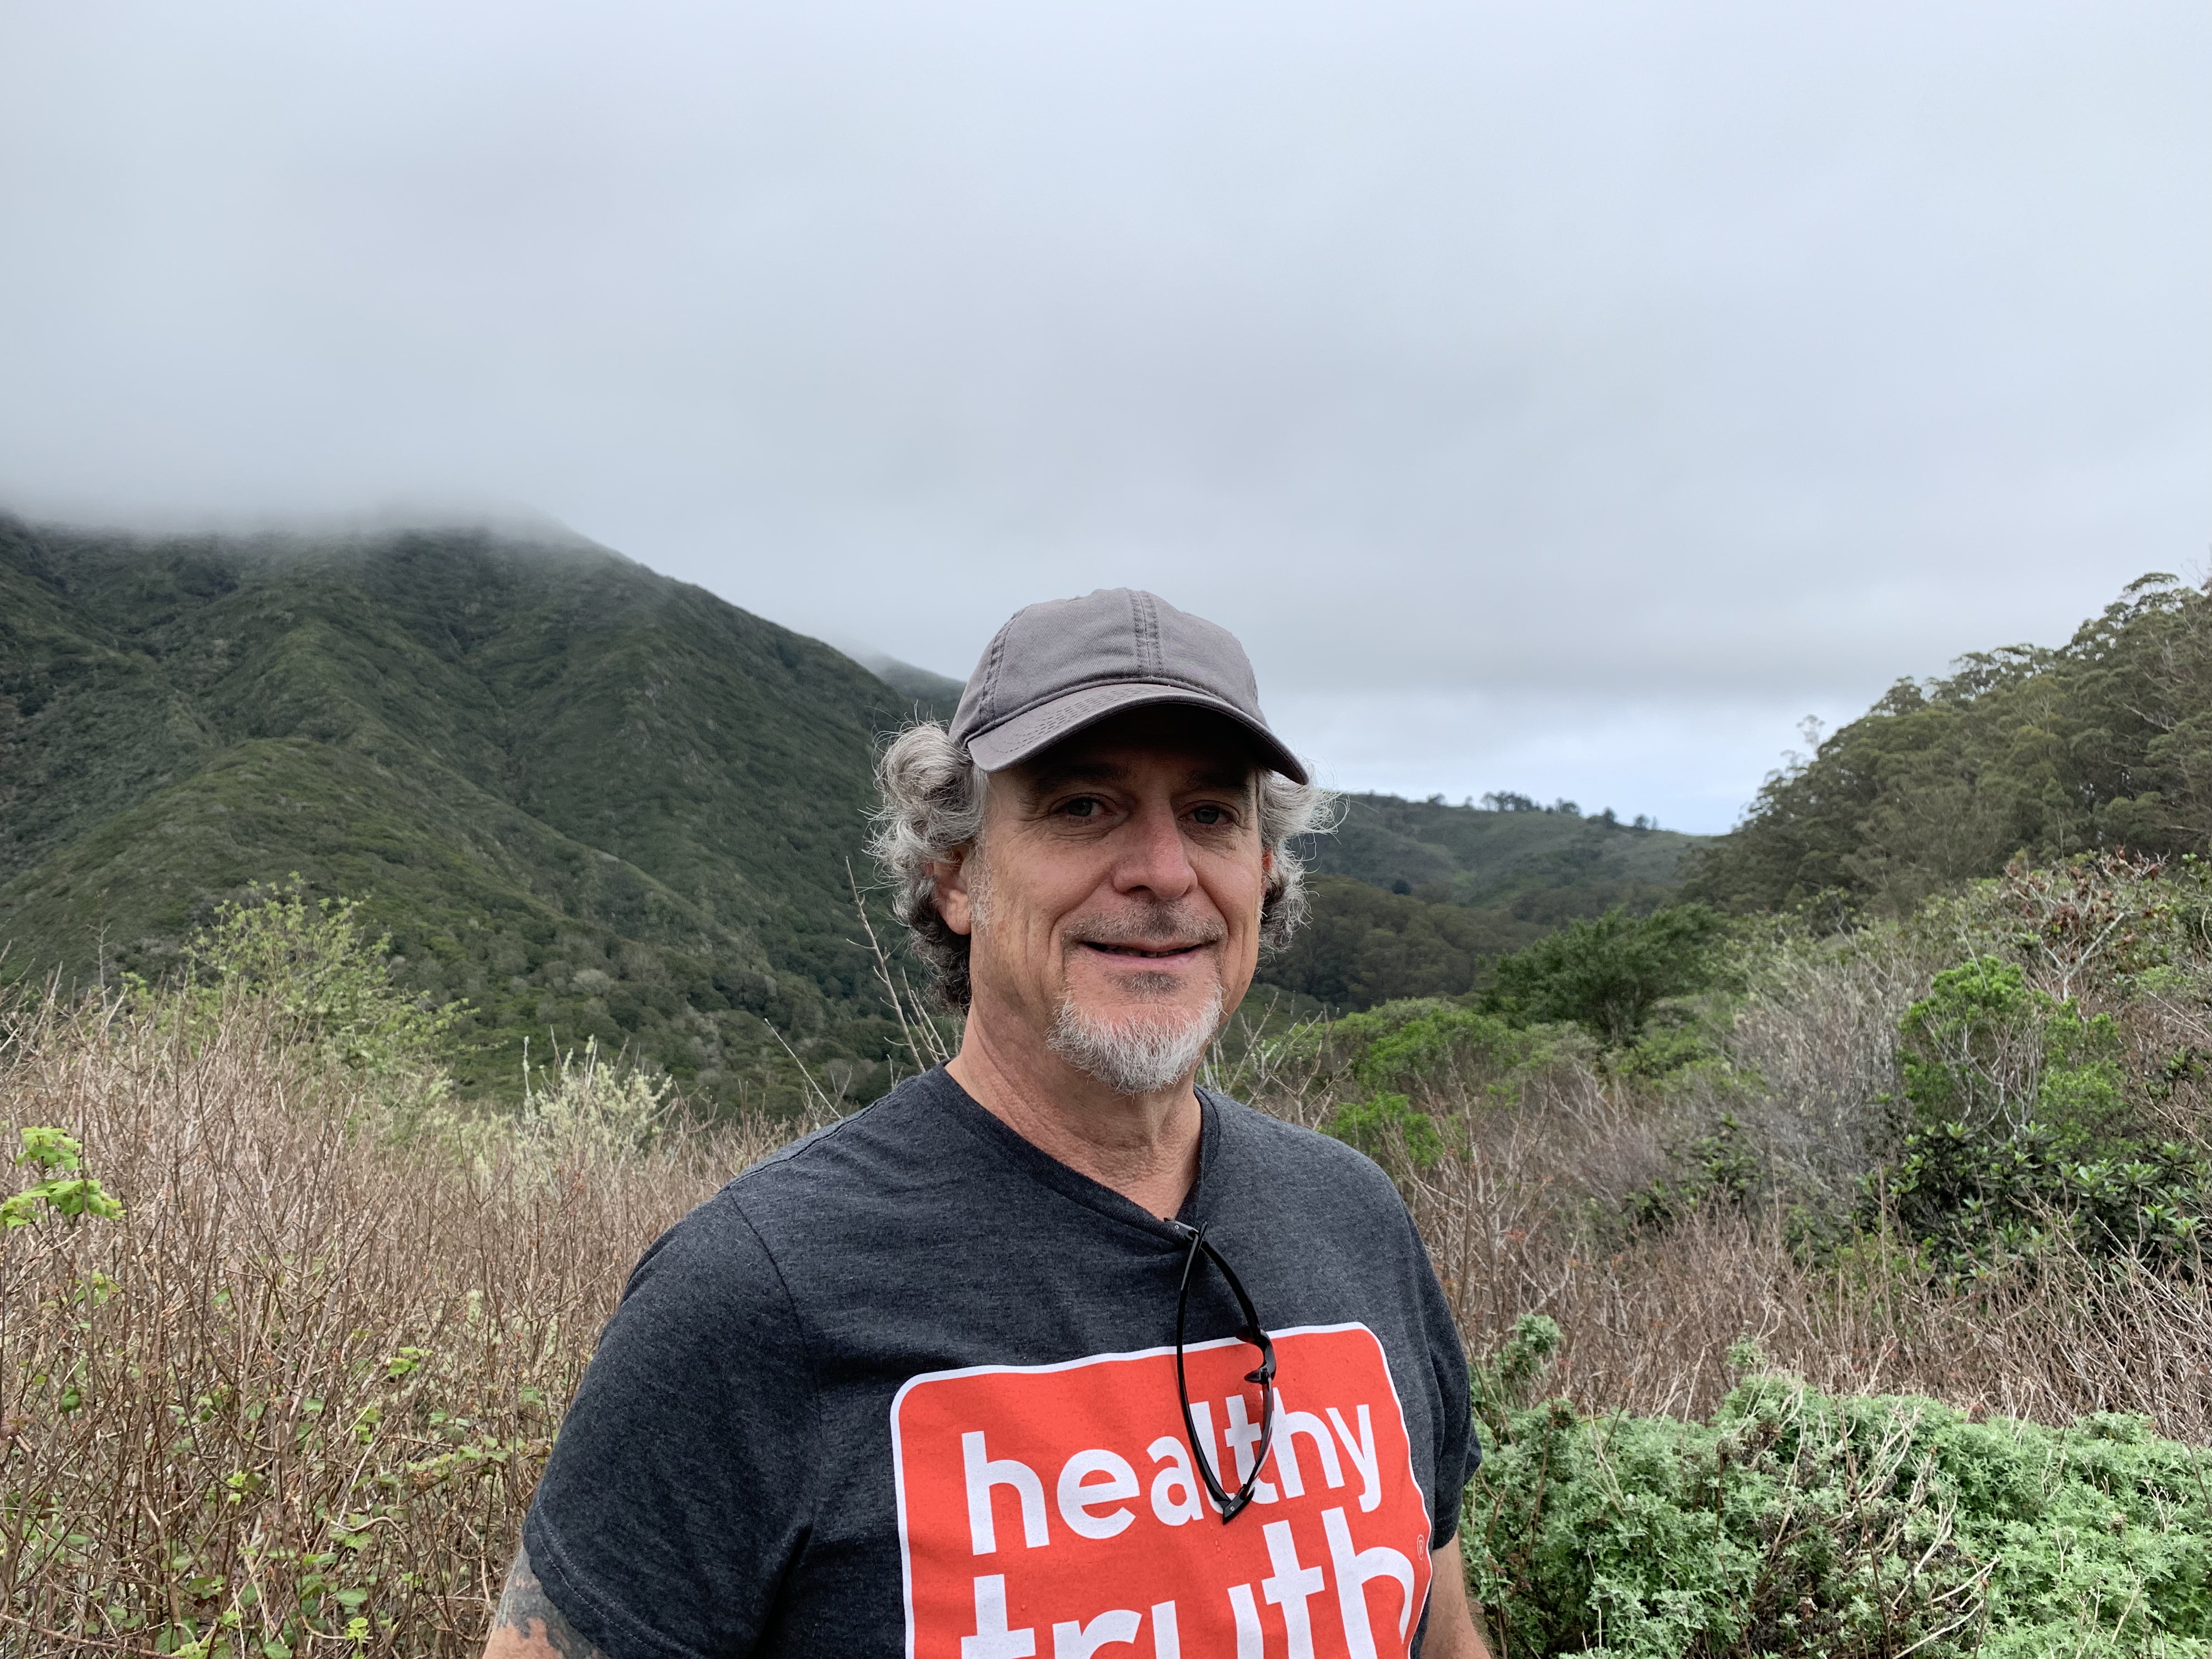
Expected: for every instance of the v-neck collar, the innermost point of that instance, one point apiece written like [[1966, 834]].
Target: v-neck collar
[[1041, 1166]]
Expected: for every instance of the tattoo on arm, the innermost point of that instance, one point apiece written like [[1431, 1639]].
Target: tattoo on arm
[[529, 1626]]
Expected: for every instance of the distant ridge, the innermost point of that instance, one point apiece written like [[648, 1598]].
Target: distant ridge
[[936, 696]]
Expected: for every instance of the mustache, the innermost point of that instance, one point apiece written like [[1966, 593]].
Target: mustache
[[1150, 925]]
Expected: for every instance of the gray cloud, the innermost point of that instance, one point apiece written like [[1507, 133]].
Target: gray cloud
[[1566, 398]]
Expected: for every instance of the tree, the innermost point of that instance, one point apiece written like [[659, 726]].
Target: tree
[[1608, 972]]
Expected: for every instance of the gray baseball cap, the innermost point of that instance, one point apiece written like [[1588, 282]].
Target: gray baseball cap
[[1057, 667]]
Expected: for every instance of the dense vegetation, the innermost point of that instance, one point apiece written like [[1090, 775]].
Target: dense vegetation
[[1953, 1054], [1795, 1521], [2105, 742], [1418, 898], [1959, 1156], [584, 800], [285, 1391]]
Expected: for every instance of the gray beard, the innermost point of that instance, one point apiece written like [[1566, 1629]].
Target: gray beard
[[1143, 1054]]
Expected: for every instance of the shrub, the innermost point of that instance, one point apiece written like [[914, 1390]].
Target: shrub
[[1720, 1166], [1791, 1522], [591, 1111], [1387, 1129], [1979, 1203], [1607, 975], [1455, 1045], [60, 1190], [295, 1396], [1985, 1049], [1426, 1047], [2017, 1123], [311, 967]]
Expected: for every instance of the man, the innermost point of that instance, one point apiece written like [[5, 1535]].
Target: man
[[1048, 1353]]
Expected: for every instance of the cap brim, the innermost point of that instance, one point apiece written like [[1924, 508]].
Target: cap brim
[[1036, 730]]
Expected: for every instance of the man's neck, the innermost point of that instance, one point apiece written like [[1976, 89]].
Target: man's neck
[[1143, 1147]]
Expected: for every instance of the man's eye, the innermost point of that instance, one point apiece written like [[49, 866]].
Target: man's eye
[[1083, 806], [1209, 815]]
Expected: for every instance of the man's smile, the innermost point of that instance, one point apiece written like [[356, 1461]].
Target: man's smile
[[1160, 953]]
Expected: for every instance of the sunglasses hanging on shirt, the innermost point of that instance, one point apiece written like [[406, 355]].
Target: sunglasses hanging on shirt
[[1230, 1504]]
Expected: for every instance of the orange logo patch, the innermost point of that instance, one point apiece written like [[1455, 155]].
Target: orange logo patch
[[1053, 1511]]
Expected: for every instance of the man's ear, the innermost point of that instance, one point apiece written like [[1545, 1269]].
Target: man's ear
[[954, 902]]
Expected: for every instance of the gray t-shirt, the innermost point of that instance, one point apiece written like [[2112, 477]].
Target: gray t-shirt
[[908, 1387]]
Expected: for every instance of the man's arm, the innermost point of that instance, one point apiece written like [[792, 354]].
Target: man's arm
[[528, 1627], [1453, 1632]]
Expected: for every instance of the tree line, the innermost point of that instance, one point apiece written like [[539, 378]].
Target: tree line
[[2101, 744]]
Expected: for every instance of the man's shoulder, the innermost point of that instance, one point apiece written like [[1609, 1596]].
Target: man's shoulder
[[904, 1146], [825, 1196]]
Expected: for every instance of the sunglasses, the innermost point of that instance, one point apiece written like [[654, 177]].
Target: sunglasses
[[1231, 1504]]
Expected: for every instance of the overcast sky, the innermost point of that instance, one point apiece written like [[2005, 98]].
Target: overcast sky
[[1559, 398]]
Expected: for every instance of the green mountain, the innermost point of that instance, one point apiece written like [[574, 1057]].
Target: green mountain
[[1414, 898], [591, 801], [2103, 743]]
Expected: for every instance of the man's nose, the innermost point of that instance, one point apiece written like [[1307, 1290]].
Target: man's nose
[[1152, 855]]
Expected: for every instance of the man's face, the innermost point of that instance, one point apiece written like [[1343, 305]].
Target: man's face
[[1120, 881]]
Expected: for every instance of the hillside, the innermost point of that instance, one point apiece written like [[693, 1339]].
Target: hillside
[[2105, 742], [1412, 898], [1478, 856], [589, 799]]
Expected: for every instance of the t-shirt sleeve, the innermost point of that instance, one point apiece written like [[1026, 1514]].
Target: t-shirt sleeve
[[1458, 1451], [677, 1492]]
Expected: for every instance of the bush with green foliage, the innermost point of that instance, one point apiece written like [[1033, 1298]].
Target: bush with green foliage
[[62, 1188], [1388, 1128], [1721, 1166], [1979, 1205], [1985, 1050], [1446, 1046], [1792, 1523], [1426, 1046], [1608, 974], [317, 966], [583, 1107], [2016, 1122], [2016, 1067]]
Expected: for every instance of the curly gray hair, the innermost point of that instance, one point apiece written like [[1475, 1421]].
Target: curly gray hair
[[932, 807]]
